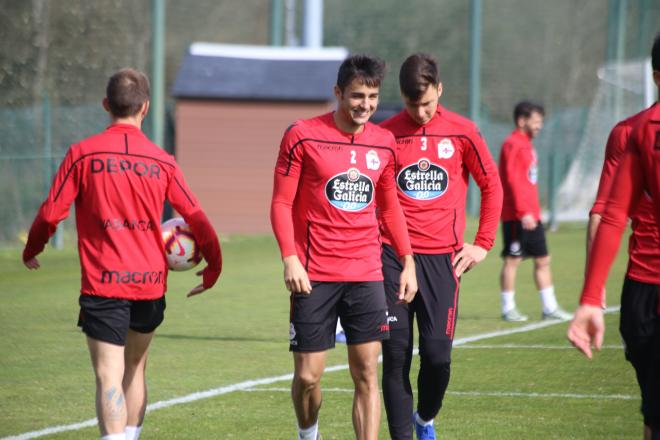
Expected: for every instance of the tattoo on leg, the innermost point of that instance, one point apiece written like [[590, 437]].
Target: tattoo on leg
[[113, 404]]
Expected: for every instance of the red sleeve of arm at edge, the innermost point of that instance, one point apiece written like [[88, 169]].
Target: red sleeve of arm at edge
[[284, 192], [393, 220], [481, 165], [626, 191]]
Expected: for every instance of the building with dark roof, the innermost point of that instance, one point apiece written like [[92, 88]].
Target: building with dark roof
[[233, 104]]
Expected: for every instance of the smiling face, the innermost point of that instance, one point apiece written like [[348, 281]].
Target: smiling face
[[423, 109], [356, 103]]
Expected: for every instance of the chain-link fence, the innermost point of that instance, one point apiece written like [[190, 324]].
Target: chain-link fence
[[56, 56]]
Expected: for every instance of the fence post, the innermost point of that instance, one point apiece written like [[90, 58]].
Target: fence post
[[57, 241], [473, 196], [552, 188]]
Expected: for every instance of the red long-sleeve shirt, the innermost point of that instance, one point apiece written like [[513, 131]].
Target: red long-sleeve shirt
[[519, 174], [644, 243], [327, 183], [119, 181], [433, 164], [638, 172]]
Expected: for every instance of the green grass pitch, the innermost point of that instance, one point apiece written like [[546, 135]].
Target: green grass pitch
[[518, 386]]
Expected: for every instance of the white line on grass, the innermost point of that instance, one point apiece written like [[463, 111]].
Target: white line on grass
[[479, 394], [533, 347], [242, 386]]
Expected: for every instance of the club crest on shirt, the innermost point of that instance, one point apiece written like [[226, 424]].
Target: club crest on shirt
[[350, 191], [373, 161], [445, 149], [423, 180], [533, 174]]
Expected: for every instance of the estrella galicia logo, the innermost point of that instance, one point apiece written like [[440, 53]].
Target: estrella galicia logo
[[423, 180], [350, 191]]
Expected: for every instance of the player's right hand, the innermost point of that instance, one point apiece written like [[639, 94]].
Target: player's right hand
[[587, 329], [295, 275], [32, 263], [528, 221]]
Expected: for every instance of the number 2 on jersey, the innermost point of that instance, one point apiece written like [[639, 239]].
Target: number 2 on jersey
[[353, 161]]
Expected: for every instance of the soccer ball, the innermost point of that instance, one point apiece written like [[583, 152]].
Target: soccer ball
[[181, 248]]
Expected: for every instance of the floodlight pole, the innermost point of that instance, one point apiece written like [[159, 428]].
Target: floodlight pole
[[475, 88], [158, 72]]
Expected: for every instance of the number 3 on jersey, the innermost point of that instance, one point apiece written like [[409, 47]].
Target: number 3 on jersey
[[424, 146]]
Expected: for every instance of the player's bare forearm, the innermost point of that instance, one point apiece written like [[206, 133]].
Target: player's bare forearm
[[407, 279], [295, 275]]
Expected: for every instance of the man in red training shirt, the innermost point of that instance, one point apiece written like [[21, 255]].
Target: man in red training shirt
[[436, 151], [330, 172], [119, 181], [629, 186], [523, 231]]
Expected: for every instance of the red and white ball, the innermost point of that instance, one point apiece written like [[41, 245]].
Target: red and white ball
[[181, 247]]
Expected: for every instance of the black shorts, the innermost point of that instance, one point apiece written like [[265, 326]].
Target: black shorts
[[360, 305], [519, 242], [436, 302], [640, 330], [108, 319]]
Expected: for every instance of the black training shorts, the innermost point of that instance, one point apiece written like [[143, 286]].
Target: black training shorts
[[640, 329], [108, 319], [436, 302], [360, 305], [519, 242]]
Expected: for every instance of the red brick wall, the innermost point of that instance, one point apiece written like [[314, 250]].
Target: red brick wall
[[227, 151]]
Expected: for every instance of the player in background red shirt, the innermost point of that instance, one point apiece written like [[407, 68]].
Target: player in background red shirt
[[635, 192], [436, 152], [522, 228], [330, 172], [119, 181]]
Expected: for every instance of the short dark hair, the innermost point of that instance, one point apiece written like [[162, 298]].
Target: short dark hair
[[417, 73], [655, 53], [524, 109], [126, 91], [369, 69]]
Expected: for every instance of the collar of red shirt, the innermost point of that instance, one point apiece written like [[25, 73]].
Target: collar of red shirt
[[522, 135], [123, 128]]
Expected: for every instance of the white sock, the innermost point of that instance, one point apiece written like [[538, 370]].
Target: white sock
[[133, 432], [548, 299], [508, 301], [120, 436], [308, 433], [421, 421]]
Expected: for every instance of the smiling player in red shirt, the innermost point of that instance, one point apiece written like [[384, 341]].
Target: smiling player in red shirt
[[330, 173], [119, 181], [635, 192], [436, 152]]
